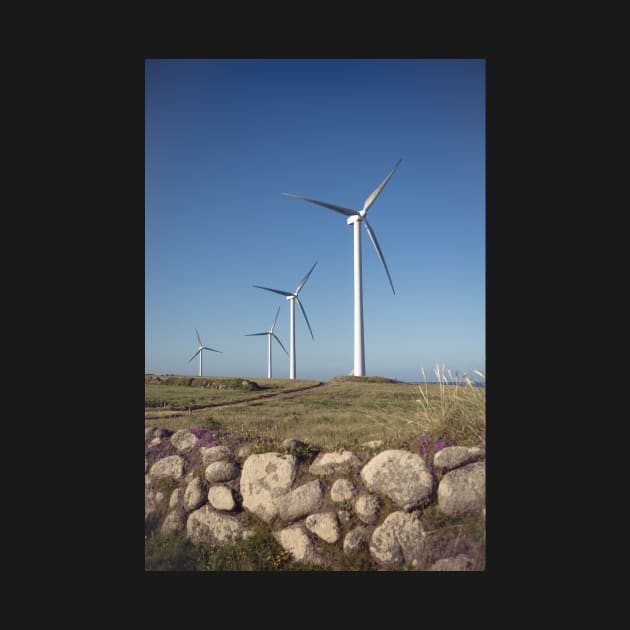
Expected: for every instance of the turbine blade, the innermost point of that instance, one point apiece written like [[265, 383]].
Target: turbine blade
[[275, 320], [274, 290], [377, 191], [198, 337], [304, 280], [280, 342], [331, 206], [213, 350], [378, 251], [194, 355], [256, 334], [306, 318]]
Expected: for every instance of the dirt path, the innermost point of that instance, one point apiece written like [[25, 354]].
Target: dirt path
[[156, 415]]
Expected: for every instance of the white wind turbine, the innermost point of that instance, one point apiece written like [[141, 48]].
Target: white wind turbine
[[355, 217], [270, 334], [200, 353], [292, 297]]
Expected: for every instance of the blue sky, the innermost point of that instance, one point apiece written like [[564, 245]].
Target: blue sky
[[225, 138]]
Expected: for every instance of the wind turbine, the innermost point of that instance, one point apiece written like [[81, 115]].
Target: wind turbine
[[355, 218], [292, 297], [270, 334], [200, 353]]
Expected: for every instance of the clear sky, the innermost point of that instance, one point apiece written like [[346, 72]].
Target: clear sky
[[225, 138]]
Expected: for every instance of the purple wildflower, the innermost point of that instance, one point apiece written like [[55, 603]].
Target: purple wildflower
[[427, 447], [204, 437], [206, 443], [439, 445], [425, 442]]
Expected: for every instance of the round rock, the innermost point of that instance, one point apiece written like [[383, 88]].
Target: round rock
[[400, 475], [194, 495], [221, 498], [325, 525], [222, 471], [368, 508], [205, 525], [183, 440], [265, 479], [174, 522], [343, 490], [168, 467], [463, 490]]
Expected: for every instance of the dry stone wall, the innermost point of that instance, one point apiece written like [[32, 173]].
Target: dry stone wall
[[370, 500]]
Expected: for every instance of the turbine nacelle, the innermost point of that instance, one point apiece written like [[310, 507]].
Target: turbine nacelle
[[355, 218], [199, 352], [269, 334], [292, 297]]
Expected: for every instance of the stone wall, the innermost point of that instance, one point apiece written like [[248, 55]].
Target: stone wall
[[206, 483]]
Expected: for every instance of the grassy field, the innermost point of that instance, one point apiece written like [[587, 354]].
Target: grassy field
[[343, 412], [184, 392]]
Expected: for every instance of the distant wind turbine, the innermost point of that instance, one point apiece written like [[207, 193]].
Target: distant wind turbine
[[200, 353], [270, 334], [355, 217], [292, 297]]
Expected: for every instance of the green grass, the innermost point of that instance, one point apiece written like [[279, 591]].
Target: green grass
[[182, 392], [343, 413], [173, 552], [260, 552], [451, 536]]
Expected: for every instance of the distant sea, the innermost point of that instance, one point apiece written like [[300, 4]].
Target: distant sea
[[473, 383]]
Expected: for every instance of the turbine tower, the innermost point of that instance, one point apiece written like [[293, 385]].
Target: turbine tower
[[200, 353], [293, 297], [270, 334], [355, 218]]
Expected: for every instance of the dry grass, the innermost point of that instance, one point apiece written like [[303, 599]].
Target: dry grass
[[177, 392], [344, 413], [458, 410]]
